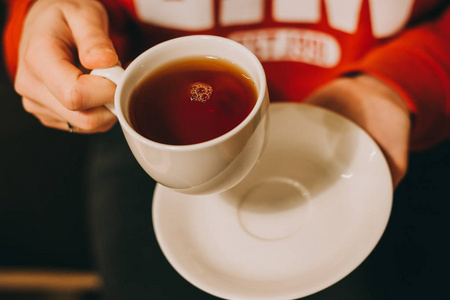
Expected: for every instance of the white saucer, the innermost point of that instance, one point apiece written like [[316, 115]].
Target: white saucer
[[306, 216]]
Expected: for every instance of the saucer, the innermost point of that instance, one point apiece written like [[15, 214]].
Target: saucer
[[308, 214]]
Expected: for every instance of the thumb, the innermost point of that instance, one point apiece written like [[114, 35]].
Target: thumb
[[89, 25]]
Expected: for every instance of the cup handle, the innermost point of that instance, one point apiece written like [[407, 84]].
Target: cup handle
[[114, 74]]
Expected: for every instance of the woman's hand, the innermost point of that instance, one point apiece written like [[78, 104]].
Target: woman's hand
[[375, 107], [61, 38]]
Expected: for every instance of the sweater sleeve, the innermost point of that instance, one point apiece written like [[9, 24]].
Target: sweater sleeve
[[417, 65], [17, 11]]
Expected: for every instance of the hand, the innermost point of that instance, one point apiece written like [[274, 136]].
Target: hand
[[50, 77], [375, 107]]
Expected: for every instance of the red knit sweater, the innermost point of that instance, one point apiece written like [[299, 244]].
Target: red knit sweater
[[303, 44]]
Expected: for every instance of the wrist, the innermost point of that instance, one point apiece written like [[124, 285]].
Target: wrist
[[371, 83]]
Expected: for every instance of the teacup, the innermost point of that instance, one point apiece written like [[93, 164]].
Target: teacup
[[212, 166]]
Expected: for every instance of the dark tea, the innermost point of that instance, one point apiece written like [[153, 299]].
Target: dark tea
[[192, 100]]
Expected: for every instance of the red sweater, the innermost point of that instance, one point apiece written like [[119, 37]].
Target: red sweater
[[303, 44]]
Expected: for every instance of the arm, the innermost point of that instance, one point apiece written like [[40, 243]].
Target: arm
[[417, 66], [376, 108], [399, 93]]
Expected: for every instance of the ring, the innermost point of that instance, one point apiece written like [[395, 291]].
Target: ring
[[71, 128]]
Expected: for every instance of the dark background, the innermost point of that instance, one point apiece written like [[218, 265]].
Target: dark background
[[43, 218]]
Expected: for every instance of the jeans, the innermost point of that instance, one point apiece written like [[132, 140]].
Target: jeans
[[128, 256], [410, 261]]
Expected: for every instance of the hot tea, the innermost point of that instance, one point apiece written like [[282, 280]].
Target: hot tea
[[191, 101]]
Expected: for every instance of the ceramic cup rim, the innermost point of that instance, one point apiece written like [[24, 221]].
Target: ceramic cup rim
[[252, 59]]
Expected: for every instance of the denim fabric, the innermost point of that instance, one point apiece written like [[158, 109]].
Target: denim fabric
[[411, 251], [120, 201]]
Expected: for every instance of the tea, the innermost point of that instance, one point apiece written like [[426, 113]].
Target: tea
[[191, 101]]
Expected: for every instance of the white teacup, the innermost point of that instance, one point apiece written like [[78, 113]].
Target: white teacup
[[208, 167]]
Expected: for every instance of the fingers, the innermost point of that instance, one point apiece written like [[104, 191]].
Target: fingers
[[66, 82], [56, 104], [89, 121], [75, 90], [53, 88]]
